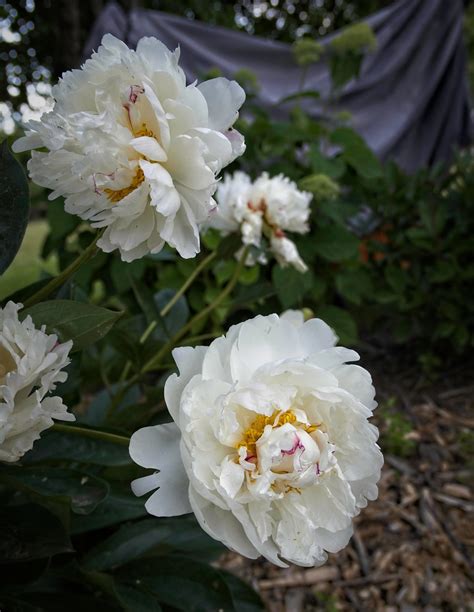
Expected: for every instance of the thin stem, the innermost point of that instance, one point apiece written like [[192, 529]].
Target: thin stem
[[63, 276], [167, 307], [193, 339], [91, 433], [188, 282], [151, 364]]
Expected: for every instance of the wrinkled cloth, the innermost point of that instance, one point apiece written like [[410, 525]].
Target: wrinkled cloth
[[410, 102]]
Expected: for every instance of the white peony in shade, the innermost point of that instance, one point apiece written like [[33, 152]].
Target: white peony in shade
[[268, 207], [31, 364], [276, 454], [134, 149]]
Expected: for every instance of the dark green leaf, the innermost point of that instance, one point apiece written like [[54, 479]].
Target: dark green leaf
[[341, 321], [245, 599], [14, 206], [57, 446], [82, 323], [291, 286], [354, 285], [181, 582], [119, 506], [335, 243], [135, 600], [152, 536], [30, 532], [177, 316], [356, 153], [83, 491]]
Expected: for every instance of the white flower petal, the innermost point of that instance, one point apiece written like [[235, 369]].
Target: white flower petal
[[158, 447]]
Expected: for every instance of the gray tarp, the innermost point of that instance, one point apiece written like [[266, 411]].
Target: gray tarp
[[410, 102]]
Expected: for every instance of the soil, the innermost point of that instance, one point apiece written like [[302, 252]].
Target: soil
[[412, 547]]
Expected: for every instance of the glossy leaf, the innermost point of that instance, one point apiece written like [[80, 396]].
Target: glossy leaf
[[59, 446], [182, 583], [82, 491], [82, 323], [14, 206], [30, 532], [166, 534]]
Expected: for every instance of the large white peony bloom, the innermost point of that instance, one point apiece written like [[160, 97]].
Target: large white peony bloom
[[134, 149], [31, 364], [271, 447], [268, 207]]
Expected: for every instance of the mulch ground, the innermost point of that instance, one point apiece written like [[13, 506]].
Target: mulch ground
[[412, 547]]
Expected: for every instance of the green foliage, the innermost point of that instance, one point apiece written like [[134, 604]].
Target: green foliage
[[84, 324], [14, 206], [307, 51], [421, 258], [321, 186]]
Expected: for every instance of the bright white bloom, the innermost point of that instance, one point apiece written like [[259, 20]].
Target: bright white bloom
[[286, 253], [135, 150], [271, 447], [31, 364], [266, 208], [285, 206]]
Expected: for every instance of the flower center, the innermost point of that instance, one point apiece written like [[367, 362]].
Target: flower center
[[115, 195], [7, 364], [254, 432]]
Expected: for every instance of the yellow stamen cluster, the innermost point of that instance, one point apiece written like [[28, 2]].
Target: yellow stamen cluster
[[254, 432], [143, 131], [115, 195]]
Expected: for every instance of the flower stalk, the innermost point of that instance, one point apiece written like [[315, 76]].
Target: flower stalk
[[91, 433], [65, 275]]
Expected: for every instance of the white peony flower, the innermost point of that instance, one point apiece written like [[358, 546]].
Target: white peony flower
[[31, 364], [271, 447], [285, 206], [268, 207], [134, 149]]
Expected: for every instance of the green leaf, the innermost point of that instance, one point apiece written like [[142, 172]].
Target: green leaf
[[59, 446], [121, 273], [181, 582], [334, 167], [356, 153], [14, 206], [82, 323], [396, 278], [245, 599], [335, 243], [140, 539], [341, 321], [300, 94], [121, 505], [291, 286], [135, 600], [354, 285], [30, 532], [177, 316], [82, 491]]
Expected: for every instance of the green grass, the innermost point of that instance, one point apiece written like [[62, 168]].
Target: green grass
[[28, 264]]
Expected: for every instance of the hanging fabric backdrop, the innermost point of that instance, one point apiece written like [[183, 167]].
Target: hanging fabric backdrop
[[410, 102]]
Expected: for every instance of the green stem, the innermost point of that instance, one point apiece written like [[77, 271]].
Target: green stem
[[167, 307], [199, 338], [154, 361], [63, 276], [91, 433], [188, 282]]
